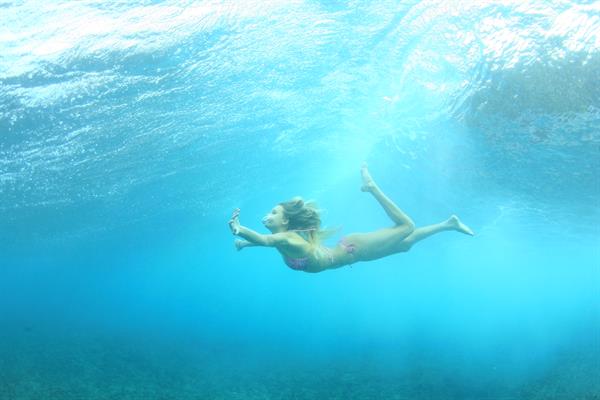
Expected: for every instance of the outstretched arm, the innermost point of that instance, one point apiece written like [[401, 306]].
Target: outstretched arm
[[259, 239], [240, 244], [255, 238]]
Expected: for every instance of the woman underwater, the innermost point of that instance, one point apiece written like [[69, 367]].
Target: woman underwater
[[296, 233]]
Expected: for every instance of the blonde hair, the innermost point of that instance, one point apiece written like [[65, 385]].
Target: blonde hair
[[305, 219]]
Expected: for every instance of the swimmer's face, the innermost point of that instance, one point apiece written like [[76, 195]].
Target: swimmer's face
[[275, 220]]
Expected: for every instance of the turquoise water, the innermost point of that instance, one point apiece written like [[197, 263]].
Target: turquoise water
[[128, 134]]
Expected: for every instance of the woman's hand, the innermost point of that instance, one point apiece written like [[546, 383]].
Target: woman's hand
[[234, 222]]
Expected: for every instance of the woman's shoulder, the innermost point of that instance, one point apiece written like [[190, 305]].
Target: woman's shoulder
[[299, 240], [295, 237]]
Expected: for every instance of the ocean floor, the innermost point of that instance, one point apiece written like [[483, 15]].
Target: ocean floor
[[37, 366]]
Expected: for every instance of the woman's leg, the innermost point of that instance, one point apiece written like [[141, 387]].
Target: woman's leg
[[392, 210], [451, 224], [388, 241]]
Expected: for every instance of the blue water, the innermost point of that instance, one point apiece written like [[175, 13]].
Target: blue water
[[128, 134]]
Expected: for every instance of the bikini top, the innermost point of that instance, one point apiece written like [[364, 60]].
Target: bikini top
[[301, 263], [298, 264]]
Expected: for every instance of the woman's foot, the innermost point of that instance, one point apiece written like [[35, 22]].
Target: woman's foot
[[240, 244], [457, 225], [367, 182]]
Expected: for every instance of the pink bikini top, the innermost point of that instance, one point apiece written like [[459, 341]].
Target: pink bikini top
[[298, 264]]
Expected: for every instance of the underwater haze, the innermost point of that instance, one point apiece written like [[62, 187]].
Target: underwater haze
[[129, 133]]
